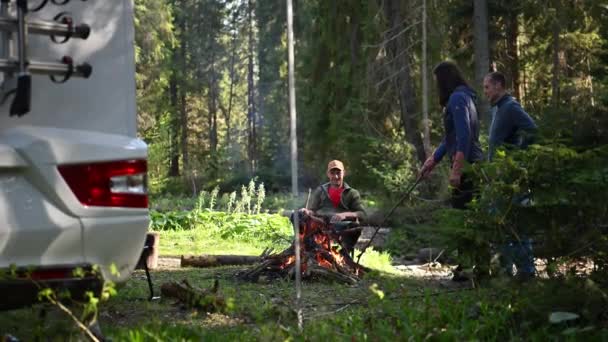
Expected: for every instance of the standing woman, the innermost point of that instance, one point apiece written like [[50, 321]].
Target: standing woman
[[461, 137]]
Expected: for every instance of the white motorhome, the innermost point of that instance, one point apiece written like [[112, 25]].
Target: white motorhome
[[72, 172]]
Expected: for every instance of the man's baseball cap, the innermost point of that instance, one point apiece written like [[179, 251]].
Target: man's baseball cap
[[335, 164]]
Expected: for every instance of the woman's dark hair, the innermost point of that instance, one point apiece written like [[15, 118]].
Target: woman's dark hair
[[448, 78]]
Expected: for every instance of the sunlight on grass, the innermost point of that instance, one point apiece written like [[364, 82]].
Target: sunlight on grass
[[376, 260], [200, 241]]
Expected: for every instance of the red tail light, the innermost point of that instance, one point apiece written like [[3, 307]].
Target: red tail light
[[61, 273], [108, 184]]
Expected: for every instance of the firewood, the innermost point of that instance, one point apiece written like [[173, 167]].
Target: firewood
[[207, 260], [331, 275], [253, 273], [209, 300], [319, 244]]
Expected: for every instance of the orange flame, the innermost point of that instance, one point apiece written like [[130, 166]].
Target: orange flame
[[290, 260], [322, 240], [322, 262], [338, 257]]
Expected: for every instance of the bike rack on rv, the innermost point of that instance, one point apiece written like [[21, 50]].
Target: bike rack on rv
[[16, 67]]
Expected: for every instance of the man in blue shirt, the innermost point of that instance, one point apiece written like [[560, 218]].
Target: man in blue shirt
[[510, 123], [512, 126]]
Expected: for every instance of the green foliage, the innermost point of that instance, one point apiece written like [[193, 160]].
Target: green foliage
[[552, 193], [391, 164], [232, 226], [387, 308]]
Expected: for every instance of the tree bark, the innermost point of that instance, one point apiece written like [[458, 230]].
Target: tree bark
[[212, 106], [426, 132], [481, 53], [403, 81], [228, 113], [251, 136], [206, 260], [513, 52], [556, 50], [182, 97], [174, 139]]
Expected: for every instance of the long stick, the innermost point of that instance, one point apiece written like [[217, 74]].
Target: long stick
[[406, 195]]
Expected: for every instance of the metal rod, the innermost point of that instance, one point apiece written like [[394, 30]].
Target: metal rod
[[292, 100], [22, 36], [45, 68], [298, 268], [47, 28], [4, 36]]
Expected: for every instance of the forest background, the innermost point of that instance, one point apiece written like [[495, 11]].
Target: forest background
[[213, 99]]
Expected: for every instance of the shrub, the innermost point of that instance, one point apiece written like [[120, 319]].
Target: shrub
[[552, 193]]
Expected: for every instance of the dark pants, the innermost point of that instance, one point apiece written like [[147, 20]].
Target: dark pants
[[518, 253], [459, 200], [464, 194], [349, 240]]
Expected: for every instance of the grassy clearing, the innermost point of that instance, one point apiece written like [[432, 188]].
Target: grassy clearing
[[385, 305], [380, 307], [200, 241]]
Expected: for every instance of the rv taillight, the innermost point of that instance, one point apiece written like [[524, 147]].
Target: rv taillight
[[108, 184]]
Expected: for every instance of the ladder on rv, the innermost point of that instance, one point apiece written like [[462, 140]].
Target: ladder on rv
[[15, 64]]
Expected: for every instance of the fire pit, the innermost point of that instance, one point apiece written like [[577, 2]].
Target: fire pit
[[322, 255]]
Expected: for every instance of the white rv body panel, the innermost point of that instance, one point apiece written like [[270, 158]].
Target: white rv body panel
[[32, 230], [42, 222], [104, 102]]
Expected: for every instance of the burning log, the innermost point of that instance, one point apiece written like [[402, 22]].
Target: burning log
[[207, 260], [209, 300], [322, 255]]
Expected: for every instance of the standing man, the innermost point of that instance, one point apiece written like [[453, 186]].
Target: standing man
[[337, 201], [513, 126], [510, 123]]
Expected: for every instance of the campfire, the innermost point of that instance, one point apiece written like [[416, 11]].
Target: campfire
[[322, 255]]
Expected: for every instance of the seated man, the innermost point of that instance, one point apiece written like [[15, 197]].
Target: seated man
[[338, 202]]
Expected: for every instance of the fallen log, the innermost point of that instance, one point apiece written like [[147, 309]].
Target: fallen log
[[209, 300], [207, 260]]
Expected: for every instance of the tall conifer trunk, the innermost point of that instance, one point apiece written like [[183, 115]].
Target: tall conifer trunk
[[397, 47], [251, 132], [513, 52], [481, 53]]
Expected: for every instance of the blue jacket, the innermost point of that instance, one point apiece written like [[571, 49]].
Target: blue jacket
[[510, 125], [461, 126]]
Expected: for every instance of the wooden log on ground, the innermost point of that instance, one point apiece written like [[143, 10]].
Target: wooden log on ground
[[207, 260], [209, 300]]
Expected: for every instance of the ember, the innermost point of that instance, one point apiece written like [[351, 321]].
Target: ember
[[322, 255]]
